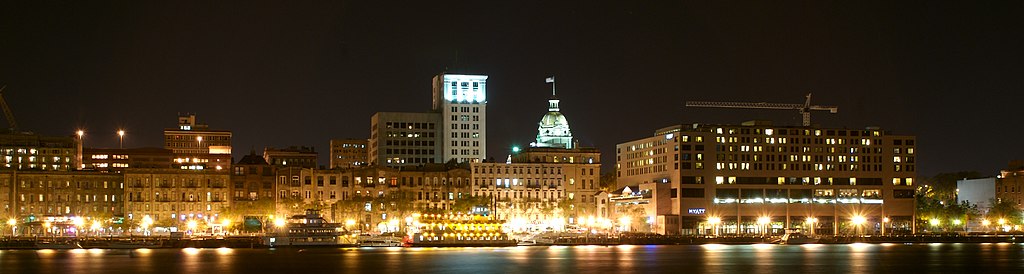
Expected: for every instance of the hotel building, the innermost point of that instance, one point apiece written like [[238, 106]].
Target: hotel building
[[756, 178], [196, 146], [115, 160]]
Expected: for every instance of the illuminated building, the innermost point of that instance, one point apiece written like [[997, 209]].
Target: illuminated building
[[462, 102], [552, 180], [63, 193], [29, 151], [405, 139], [738, 174], [175, 195], [977, 192], [348, 153], [1009, 186], [372, 194], [196, 146], [291, 156], [115, 160], [553, 128], [252, 186], [652, 163]]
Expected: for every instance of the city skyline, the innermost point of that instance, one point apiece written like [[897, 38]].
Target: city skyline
[[320, 72]]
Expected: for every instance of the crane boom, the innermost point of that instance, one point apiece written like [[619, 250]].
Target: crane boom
[[804, 109], [7, 111]]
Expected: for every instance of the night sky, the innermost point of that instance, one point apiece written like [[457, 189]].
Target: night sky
[[301, 73]]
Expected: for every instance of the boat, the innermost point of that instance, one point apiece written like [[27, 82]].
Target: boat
[[135, 244], [795, 237], [58, 245], [459, 230], [309, 230], [379, 241]]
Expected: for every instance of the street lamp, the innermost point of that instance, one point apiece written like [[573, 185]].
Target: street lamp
[[857, 222], [810, 222], [714, 221], [120, 134], [46, 226], [884, 221], [79, 224], [279, 223], [764, 221], [192, 226], [12, 222]]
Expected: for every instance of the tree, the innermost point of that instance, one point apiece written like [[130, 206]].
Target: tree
[[609, 181], [1003, 210]]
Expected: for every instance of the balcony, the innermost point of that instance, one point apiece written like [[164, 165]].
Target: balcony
[[164, 185]]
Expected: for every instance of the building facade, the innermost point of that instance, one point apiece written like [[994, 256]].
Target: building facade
[[42, 194], [461, 100], [196, 146], [756, 178], [298, 156], [405, 139], [348, 153], [253, 187], [113, 160], [29, 151], [173, 196], [1009, 186]]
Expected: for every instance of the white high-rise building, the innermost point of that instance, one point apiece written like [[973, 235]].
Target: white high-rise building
[[462, 102]]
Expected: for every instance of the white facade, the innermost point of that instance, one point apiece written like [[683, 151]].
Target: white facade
[[462, 102], [553, 128]]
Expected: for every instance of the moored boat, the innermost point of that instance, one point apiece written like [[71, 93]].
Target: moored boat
[[459, 230], [310, 230]]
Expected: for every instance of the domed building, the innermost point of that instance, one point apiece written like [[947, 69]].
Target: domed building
[[553, 129]]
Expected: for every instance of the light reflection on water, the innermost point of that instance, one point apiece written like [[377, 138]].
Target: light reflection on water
[[710, 258]]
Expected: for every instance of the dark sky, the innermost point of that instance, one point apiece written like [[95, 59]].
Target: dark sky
[[302, 72]]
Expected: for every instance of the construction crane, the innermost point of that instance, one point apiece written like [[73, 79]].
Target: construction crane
[[804, 109], [7, 111]]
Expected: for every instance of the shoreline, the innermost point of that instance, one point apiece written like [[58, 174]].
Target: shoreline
[[117, 243]]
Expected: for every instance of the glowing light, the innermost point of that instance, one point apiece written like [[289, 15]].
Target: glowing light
[[858, 220], [1001, 221], [764, 220], [80, 133], [192, 225], [934, 222], [986, 222], [956, 222], [885, 220], [515, 149], [348, 222], [226, 223], [12, 222], [811, 220], [279, 223], [78, 222], [96, 225], [120, 133]]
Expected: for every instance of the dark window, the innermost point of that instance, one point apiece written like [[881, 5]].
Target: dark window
[[697, 192], [903, 193]]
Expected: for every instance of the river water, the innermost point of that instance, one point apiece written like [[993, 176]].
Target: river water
[[850, 258]]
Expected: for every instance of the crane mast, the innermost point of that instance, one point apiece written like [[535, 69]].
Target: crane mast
[[7, 111], [804, 109]]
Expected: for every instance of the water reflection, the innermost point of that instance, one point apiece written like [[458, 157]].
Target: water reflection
[[852, 258]]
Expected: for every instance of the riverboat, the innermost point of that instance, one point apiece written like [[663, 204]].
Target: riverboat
[[459, 230], [309, 230]]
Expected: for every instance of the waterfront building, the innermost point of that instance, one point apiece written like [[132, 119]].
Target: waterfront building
[[653, 163], [30, 151], [405, 139], [461, 101], [196, 146], [1010, 184], [35, 195], [253, 187], [298, 156], [977, 192], [114, 160], [756, 178], [172, 196], [550, 184], [348, 153]]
